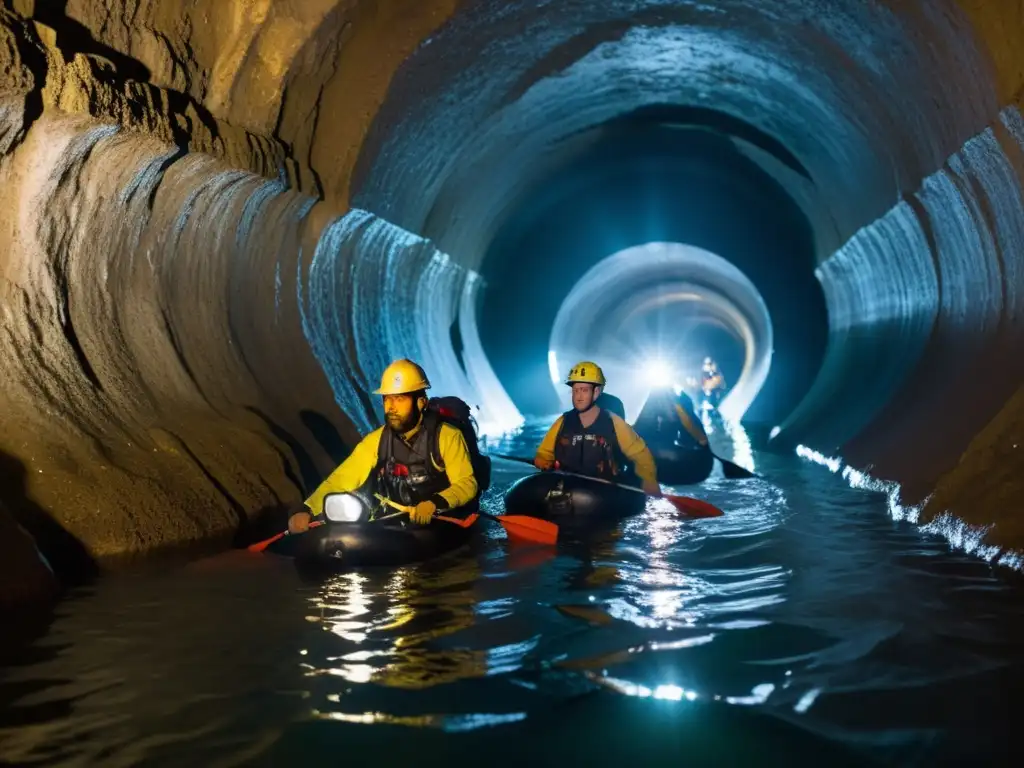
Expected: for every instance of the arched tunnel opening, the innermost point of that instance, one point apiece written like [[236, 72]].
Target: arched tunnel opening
[[224, 231], [652, 314], [640, 184]]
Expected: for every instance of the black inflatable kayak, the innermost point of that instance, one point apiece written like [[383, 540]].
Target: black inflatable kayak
[[387, 543], [681, 465], [567, 499]]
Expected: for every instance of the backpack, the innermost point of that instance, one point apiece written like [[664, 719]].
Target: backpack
[[455, 411]]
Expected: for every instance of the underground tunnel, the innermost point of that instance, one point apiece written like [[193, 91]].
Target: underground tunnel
[[225, 219]]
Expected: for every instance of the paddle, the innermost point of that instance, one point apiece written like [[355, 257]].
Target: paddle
[[404, 510], [262, 545], [527, 528], [684, 504], [734, 471], [531, 529]]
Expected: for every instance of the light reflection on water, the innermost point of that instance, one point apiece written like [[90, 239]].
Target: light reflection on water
[[805, 603]]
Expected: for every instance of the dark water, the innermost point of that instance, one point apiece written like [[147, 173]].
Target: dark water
[[803, 625]]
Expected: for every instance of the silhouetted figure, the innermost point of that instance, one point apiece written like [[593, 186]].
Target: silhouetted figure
[[712, 382], [67, 556], [675, 437]]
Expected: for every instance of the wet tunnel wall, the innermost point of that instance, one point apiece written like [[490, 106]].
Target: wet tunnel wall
[[223, 218]]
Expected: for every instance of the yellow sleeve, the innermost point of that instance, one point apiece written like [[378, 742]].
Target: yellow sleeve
[[635, 449], [350, 474], [458, 467], [546, 449], [695, 429]]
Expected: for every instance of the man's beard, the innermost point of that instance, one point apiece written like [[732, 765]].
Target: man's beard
[[401, 426], [584, 408]]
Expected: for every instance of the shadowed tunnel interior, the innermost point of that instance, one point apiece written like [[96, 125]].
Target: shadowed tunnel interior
[[224, 219], [637, 183]]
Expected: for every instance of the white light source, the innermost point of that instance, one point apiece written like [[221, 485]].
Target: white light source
[[657, 372], [343, 507]]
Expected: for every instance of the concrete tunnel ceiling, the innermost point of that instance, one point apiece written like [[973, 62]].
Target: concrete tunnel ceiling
[[214, 201]]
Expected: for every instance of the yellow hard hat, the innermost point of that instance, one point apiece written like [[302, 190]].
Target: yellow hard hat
[[402, 377], [586, 373]]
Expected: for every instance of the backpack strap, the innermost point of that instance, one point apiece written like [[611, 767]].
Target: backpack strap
[[432, 421], [604, 425], [385, 448]]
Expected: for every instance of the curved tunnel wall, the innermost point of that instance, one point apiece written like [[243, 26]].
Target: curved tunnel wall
[[863, 125], [147, 370], [143, 349], [926, 356]]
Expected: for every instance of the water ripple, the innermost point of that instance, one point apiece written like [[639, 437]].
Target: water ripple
[[806, 604]]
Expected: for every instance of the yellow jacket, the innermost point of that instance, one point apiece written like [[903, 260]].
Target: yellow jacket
[[630, 443], [695, 430], [352, 473]]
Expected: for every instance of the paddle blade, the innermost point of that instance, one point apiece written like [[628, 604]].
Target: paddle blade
[[529, 528], [735, 471], [462, 522], [693, 507]]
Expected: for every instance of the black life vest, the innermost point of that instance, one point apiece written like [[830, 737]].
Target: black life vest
[[411, 473], [593, 450]]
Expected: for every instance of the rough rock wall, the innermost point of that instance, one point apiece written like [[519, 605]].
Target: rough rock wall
[[149, 389], [62, 67], [275, 86], [158, 386]]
